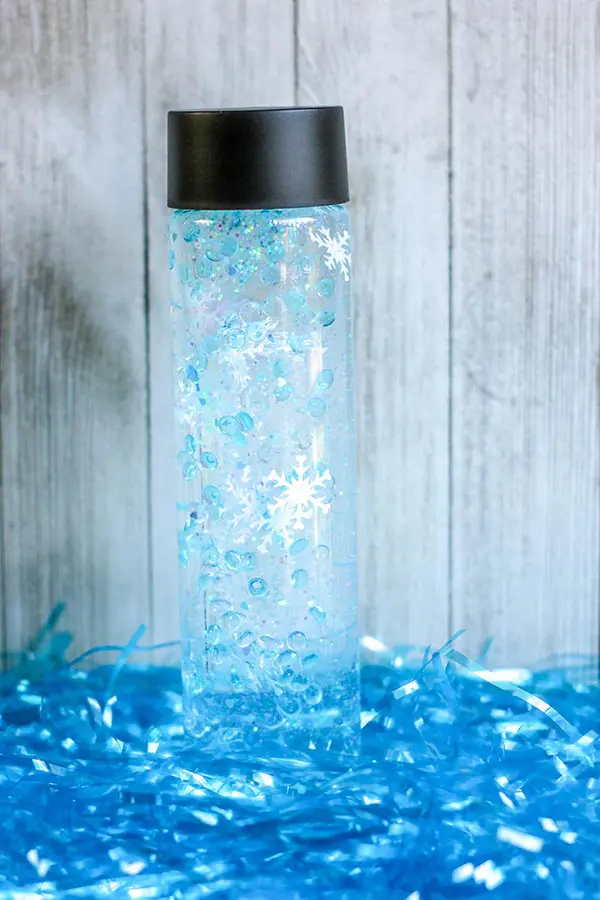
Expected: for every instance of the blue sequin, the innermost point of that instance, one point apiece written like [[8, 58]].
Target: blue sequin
[[208, 460], [326, 317], [257, 587], [246, 422], [316, 407]]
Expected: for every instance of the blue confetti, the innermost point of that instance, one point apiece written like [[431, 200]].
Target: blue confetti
[[472, 782]]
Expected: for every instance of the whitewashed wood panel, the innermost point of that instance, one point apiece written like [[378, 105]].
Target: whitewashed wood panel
[[526, 325], [74, 513], [84, 90], [386, 62], [222, 53]]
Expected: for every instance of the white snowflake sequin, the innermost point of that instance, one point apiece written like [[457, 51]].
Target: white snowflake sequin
[[246, 519], [337, 249], [249, 520], [240, 361], [298, 496]]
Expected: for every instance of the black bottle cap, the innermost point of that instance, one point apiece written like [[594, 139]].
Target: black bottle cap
[[276, 158]]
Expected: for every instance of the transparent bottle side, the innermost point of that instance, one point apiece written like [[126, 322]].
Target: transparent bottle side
[[265, 443]]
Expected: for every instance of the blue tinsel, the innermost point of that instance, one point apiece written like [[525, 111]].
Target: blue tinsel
[[469, 784]]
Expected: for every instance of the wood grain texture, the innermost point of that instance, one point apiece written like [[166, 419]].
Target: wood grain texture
[[386, 62], [526, 317], [72, 374], [226, 53]]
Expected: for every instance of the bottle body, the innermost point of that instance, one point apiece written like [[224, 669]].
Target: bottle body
[[265, 432]]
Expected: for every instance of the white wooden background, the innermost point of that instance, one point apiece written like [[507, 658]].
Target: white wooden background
[[474, 147]]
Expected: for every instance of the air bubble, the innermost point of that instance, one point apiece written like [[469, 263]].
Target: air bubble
[[322, 552], [229, 621], [313, 694], [245, 639], [272, 643], [297, 640]]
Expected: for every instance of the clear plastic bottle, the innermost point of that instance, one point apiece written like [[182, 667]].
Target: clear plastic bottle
[[266, 455]]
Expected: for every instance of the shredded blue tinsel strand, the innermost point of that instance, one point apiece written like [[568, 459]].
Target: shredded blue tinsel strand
[[472, 782]]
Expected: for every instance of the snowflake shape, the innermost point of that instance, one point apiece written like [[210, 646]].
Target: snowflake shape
[[249, 518], [298, 496], [337, 249], [245, 518], [240, 361]]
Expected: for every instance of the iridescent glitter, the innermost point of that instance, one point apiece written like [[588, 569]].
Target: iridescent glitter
[[265, 451]]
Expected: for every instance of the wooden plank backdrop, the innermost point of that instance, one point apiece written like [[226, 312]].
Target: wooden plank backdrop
[[526, 323], [475, 160], [370, 57], [73, 392]]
